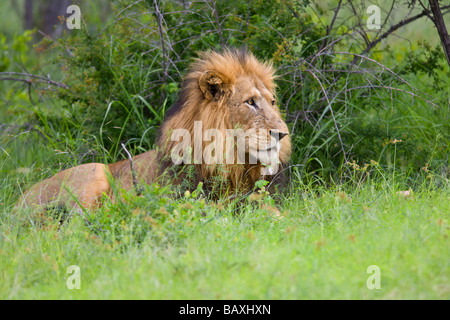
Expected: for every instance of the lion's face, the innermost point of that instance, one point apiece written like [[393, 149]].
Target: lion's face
[[253, 108], [223, 92], [250, 108]]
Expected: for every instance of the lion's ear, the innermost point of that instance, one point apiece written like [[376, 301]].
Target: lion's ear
[[212, 84]]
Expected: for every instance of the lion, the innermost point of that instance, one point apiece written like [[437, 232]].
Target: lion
[[228, 92]]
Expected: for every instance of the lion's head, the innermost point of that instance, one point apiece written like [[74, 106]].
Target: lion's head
[[228, 94]]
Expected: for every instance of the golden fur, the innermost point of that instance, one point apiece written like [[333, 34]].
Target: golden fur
[[225, 90]]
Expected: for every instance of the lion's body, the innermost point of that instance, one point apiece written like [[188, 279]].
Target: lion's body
[[145, 166], [222, 91], [78, 186]]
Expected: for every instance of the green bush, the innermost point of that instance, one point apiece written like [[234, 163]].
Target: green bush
[[340, 106]]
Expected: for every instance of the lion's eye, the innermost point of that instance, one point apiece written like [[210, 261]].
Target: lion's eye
[[250, 102], [273, 102]]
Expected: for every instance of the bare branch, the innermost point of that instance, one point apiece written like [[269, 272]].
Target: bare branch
[[219, 27], [37, 78], [330, 27], [395, 27], [159, 18], [332, 115], [133, 171]]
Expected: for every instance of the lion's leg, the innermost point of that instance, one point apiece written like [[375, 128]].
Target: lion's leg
[[78, 186]]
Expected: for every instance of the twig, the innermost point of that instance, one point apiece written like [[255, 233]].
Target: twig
[[362, 30], [159, 18], [395, 27], [48, 37], [219, 27], [40, 79], [332, 115], [331, 25], [133, 171]]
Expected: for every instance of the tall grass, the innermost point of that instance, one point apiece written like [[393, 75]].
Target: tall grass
[[320, 247]]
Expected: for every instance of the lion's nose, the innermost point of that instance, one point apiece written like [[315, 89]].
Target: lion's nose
[[282, 135], [277, 134]]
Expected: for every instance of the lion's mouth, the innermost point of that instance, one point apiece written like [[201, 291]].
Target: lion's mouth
[[272, 148], [267, 156]]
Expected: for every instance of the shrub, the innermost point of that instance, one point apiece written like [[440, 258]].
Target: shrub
[[341, 105]]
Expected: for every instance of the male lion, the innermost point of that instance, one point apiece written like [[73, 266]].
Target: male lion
[[223, 93]]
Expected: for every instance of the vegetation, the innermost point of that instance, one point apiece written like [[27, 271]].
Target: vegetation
[[368, 183]]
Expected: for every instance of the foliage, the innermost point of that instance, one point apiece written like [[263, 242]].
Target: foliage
[[425, 60], [340, 105]]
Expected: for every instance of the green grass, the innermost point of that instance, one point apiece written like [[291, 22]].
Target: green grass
[[319, 249]]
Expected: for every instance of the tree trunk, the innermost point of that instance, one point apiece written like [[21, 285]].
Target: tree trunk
[[50, 11], [45, 15], [28, 18], [438, 21]]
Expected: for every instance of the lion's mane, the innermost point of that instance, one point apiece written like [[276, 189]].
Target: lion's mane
[[192, 105]]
